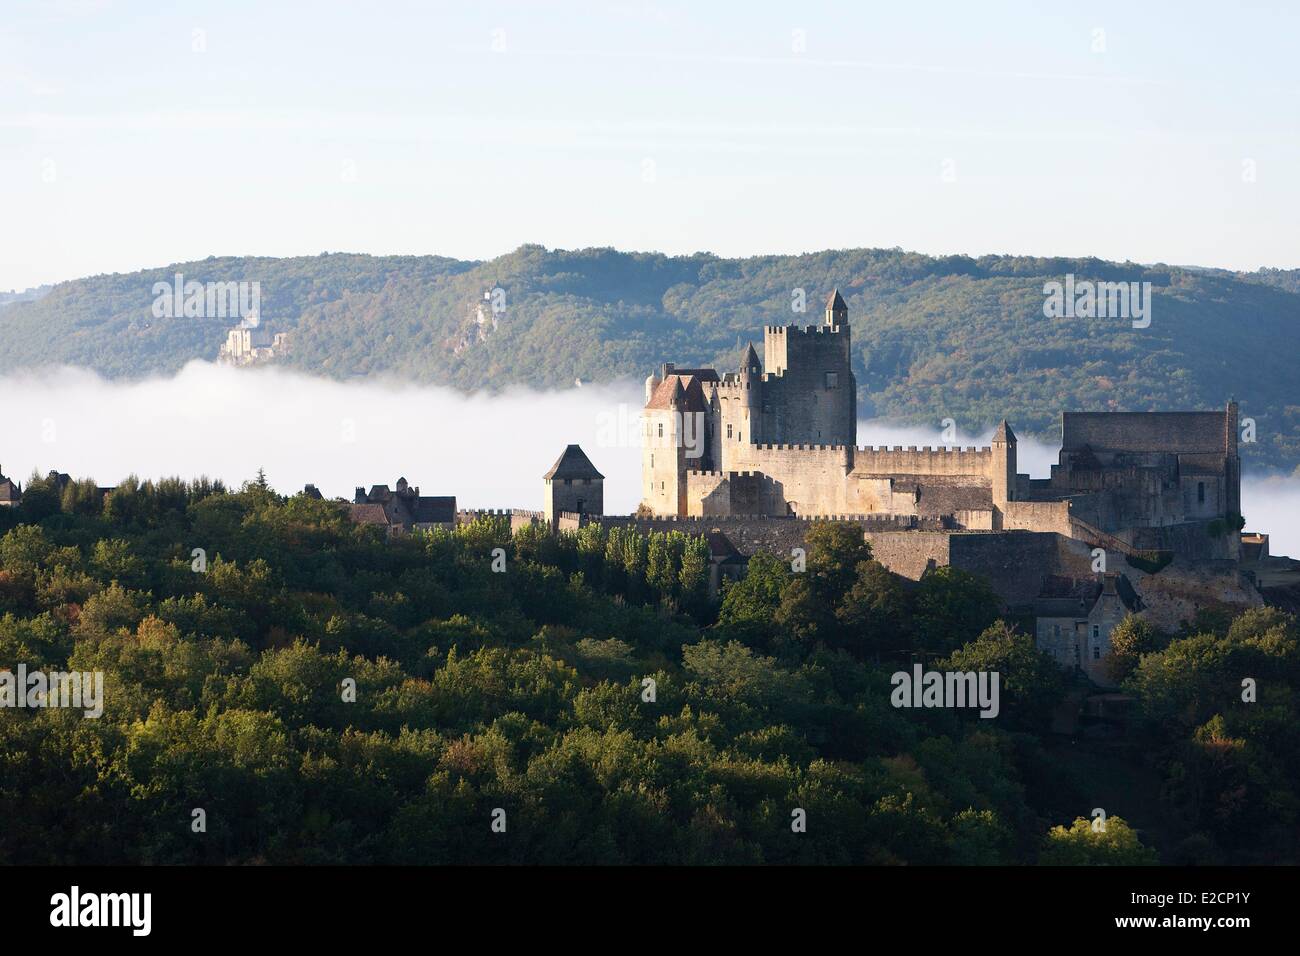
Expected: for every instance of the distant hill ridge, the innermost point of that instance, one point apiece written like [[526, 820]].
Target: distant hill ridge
[[933, 337]]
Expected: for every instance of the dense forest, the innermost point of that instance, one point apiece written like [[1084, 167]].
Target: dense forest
[[324, 694], [952, 337]]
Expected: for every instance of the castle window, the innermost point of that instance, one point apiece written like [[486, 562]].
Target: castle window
[[832, 380], [1096, 653], [728, 431], [1096, 631], [661, 429], [1200, 492], [568, 481]]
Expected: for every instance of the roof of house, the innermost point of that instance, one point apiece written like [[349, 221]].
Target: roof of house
[[573, 463], [369, 514], [680, 391], [1004, 433], [703, 374], [721, 549], [835, 302], [433, 510], [1062, 596], [1174, 432], [1119, 585]]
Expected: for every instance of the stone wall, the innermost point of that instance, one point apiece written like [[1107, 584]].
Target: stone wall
[[1014, 562], [899, 460], [807, 479], [1037, 516], [909, 553]]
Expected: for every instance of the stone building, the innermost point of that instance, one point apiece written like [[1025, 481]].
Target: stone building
[[401, 510], [1154, 480], [11, 494], [250, 344], [1073, 619], [726, 563], [573, 486], [758, 453]]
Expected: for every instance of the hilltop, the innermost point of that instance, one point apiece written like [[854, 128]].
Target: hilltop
[[933, 337]]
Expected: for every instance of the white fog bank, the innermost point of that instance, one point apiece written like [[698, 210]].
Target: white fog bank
[[490, 451]]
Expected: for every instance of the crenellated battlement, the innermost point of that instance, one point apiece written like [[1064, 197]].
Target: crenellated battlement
[[792, 330], [471, 513], [703, 473], [927, 449], [834, 449], [729, 385], [923, 460]]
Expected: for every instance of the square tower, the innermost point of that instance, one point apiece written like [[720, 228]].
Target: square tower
[[574, 485]]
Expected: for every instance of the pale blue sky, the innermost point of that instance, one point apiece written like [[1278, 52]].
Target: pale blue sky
[[394, 127]]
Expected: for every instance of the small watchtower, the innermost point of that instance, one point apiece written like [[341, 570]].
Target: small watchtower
[[837, 313], [573, 484], [1002, 479]]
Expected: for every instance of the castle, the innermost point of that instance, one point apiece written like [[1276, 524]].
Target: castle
[[777, 438], [757, 453], [250, 344]]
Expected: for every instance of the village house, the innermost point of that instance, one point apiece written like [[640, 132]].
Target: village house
[[401, 510], [1073, 620], [11, 494]]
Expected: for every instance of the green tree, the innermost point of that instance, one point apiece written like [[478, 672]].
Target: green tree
[[873, 612], [951, 607], [1081, 844], [835, 549], [1129, 640], [1031, 685]]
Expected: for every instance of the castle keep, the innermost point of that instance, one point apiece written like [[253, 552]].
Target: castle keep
[[777, 438]]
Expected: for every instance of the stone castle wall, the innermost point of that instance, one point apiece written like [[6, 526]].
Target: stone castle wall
[[1044, 516], [805, 479], [1014, 563], [975, 462]]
